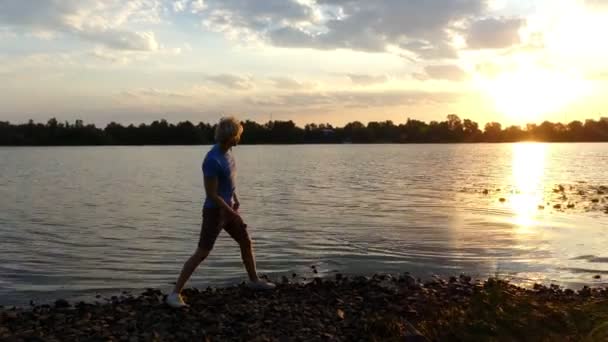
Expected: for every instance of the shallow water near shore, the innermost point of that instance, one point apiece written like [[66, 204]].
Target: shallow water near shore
[[76, 221]]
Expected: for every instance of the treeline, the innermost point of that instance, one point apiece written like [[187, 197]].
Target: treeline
[[452, 130]]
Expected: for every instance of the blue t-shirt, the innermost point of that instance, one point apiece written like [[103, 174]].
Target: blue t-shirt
[[221, 165]]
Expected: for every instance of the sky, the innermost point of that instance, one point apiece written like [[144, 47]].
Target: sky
[[321, 61]]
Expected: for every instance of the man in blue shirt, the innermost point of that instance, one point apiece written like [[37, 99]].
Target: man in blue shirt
[[220, 210]]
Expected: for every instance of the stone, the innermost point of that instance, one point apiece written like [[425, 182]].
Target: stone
[[465, 278], [62, 303], [409, 280]]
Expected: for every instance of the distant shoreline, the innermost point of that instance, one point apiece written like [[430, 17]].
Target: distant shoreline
[[453, 130]]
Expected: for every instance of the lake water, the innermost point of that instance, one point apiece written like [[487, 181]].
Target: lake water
[[77, 221]]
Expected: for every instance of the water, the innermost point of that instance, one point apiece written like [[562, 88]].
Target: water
[[77, 221]]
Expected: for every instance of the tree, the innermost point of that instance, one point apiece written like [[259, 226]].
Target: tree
[[492, 132], [472, 133], [287, 132]]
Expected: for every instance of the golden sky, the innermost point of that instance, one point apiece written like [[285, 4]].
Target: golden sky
[[331, 61]]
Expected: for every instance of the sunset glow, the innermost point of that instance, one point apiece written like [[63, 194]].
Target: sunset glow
[[307, 61]]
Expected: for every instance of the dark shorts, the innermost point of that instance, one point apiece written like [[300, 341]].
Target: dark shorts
[[212, 226]]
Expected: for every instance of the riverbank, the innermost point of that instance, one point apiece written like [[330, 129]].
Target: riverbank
[[380, 308]]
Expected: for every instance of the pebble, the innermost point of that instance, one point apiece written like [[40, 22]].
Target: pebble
[[62, 303], [340, 313], [322, 309]]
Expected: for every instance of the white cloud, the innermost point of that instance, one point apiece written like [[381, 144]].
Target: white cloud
[[285, 83], [122, 40], [111, 56], [124, 57], [197, 6], [444, 72], [180, 5], [364, 80], [155, 93], [231, 81], [352, 99], [103, 22]]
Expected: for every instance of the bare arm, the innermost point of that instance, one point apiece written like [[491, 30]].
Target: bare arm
[[211, 185]]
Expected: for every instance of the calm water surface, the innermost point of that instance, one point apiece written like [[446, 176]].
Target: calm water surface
[[77, 221]]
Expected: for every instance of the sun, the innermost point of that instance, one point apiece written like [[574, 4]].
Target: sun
[[528, 92], [560, 45]]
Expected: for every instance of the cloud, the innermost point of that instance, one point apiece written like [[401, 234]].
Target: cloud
[[421, 27], [286, 83], [103, 22], [122, 40], [179, 5], [154, 93], [194, 6], [197, 6], [428, 50], [494, 33], [352, 99], [110, 56], [245, 19], [231, 81], [364, 80], [124, 57], [447, 72]]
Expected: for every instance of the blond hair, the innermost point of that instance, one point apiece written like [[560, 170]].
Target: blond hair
[[228, 128]]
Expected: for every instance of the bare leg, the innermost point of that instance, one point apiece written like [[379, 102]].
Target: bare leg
[[189, 266], [248, 259]]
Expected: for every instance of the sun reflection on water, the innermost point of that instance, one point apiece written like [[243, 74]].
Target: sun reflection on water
[[527, 178]]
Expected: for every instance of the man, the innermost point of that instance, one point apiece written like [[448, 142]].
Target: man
[[220, 210]]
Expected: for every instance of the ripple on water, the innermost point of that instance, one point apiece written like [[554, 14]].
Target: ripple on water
[[76, 223]]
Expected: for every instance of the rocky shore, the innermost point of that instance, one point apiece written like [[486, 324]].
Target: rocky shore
[[378, 308]]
